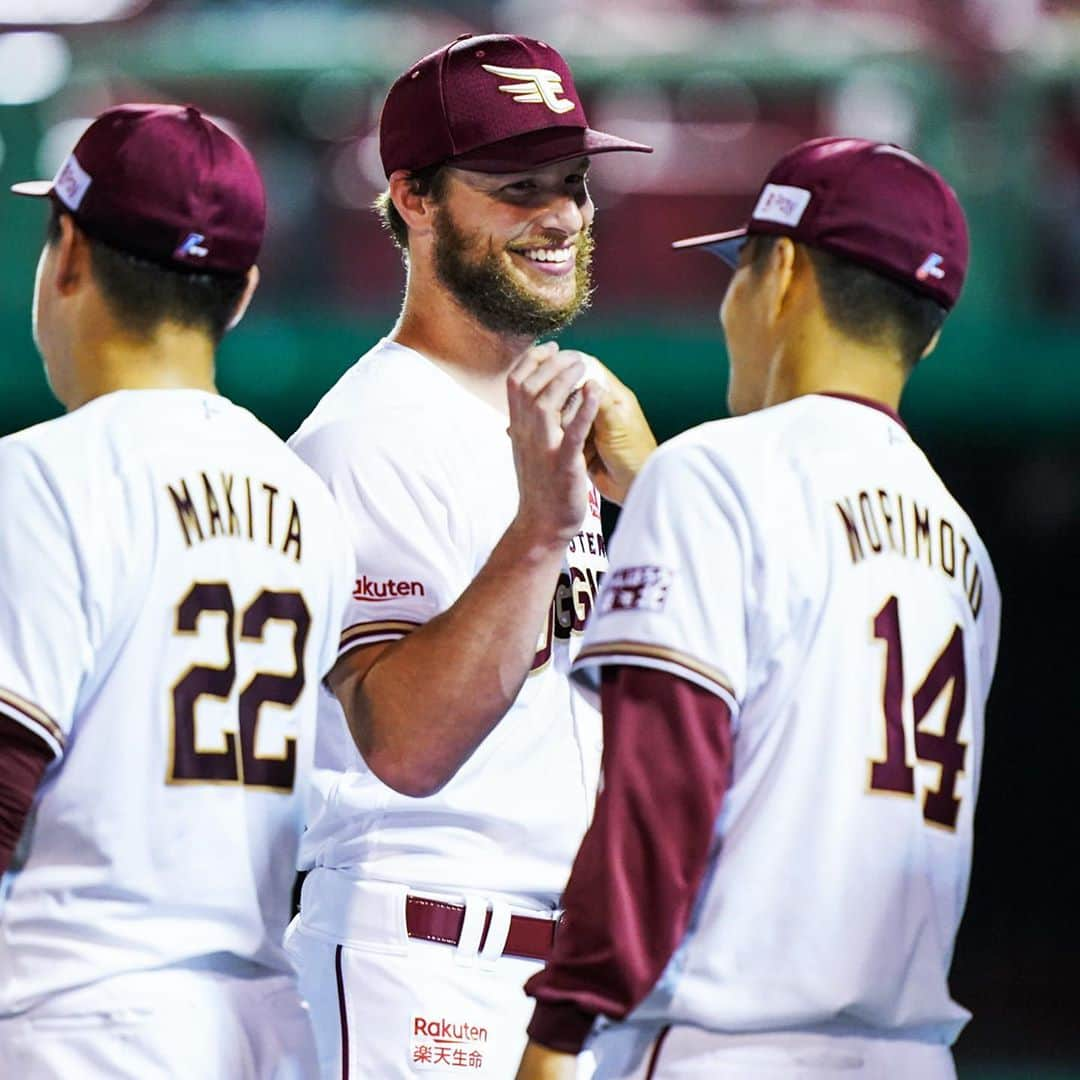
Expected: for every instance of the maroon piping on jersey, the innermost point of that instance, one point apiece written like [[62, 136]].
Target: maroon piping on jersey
[[667, 765], [343, 1014], [654, 1061], [870, 403]]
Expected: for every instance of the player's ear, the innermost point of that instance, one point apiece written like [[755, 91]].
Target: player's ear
[[245, 299], [780, 275], [931, 345], [415, 209], [71, 265]]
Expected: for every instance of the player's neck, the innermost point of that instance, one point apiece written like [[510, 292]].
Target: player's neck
[[434, 324], [175, 358], [836, 364]]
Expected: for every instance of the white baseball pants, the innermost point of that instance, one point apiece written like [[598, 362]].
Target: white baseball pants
[[391, 1007], [168, 1024]]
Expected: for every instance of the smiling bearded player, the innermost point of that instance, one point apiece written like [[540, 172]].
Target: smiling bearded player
[[443, 829]]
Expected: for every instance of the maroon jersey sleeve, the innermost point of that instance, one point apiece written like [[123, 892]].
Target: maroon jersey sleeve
[[667, 761], [23, 760]]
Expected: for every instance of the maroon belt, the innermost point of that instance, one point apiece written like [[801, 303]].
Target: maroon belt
[[433, 920]]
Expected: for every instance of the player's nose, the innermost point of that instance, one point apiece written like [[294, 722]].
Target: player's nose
[[568, 213]]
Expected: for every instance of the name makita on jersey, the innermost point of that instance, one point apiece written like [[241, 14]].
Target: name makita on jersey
[[172, 579]]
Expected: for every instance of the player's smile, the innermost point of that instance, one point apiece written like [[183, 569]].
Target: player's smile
[[546, 259]]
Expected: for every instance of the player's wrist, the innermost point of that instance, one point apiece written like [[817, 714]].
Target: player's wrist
[[538, 540]]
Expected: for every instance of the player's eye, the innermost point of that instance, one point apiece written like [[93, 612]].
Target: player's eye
[[520, 187]]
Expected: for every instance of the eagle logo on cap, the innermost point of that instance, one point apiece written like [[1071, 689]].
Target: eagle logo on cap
[[534, 86]]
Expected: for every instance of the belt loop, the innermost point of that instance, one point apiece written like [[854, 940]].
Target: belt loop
[[472, 929], [498, 928]]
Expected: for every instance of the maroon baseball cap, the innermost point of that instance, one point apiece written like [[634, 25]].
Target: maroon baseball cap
[[494, 103], [873, 203], [165, 183]]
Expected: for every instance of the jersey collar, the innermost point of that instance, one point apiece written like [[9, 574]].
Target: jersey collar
[[869, 402]]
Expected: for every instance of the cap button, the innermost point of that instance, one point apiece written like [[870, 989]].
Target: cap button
[[463, 37]]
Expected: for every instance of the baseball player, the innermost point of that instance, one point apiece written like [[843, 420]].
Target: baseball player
[[442, 832], [793, 649], [171, 585]]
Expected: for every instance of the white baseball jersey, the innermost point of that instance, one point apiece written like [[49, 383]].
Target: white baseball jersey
[[806, 564], [424, 473], [171, 584]]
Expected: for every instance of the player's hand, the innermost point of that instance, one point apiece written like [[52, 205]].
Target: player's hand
[[621, 440], [540, 1063], [549, 441]]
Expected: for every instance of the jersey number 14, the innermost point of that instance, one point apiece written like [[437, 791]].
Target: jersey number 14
[[940, 805]]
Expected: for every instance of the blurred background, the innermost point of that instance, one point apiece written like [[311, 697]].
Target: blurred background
[[988, 91]]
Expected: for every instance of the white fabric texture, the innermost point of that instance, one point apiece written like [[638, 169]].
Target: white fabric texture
[[169, 1024], [829, 895], [411, 1008], [168, 826], [424, 473], [626, 1052]]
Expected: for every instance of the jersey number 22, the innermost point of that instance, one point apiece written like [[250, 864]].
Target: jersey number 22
[[236, 764]]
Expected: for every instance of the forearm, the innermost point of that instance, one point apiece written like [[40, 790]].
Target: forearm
[[541, 1063], [430, 699]]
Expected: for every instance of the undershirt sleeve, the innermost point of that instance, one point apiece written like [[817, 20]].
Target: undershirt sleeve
[[23, 760], [631, 894]]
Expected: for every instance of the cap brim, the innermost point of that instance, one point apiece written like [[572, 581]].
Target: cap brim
[[35, 188], [725, 245], [545, 147]]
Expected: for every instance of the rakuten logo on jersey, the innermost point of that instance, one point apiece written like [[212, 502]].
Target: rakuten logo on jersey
[[447, 1030], [438, 1043], [635, 588], [380, 591]]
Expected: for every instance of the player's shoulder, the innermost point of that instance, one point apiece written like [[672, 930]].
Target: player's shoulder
[[61, 444], [390, 406], [380, 394], [735, 448]]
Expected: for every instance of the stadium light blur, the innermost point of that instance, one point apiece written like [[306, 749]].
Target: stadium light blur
[[66, 12], [33, 66], [58, 142]]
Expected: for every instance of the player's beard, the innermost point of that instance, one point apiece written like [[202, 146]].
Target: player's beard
[[487, 291]]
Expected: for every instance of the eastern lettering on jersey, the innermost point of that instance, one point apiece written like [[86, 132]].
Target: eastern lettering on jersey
[[636, 588], [575, 594], [439, 1043], [379, 591], [881, 521], [591, 542], [208, 508]]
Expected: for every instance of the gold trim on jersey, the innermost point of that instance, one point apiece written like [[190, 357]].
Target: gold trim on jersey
[[363, 633], [29, 711], [615, 649]]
